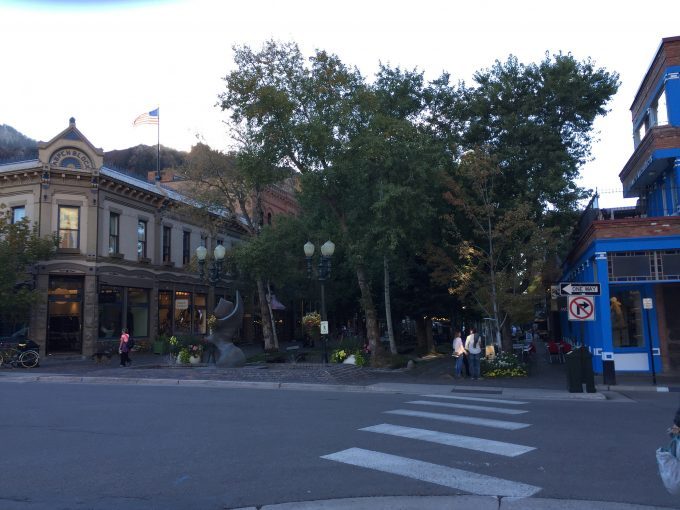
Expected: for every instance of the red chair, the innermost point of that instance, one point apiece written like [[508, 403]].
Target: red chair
[[566, 347], [554, 352]]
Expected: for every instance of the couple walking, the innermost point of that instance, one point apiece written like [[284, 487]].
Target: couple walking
[[472, 350]]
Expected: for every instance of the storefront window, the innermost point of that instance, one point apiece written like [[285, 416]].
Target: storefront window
[[110, 311], [182, 312], [165, 312], [138, 312], [625, 307], [200, 318]]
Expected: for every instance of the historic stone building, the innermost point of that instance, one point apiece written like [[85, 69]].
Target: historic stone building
[[124, 254]]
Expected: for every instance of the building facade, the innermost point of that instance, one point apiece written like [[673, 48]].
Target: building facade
[[125, 252], [634, 253]]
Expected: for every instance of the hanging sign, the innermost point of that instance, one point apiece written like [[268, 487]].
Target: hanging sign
[[580, 289], [581, 308]]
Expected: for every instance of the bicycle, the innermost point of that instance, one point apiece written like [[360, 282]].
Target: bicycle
[[18, 356]]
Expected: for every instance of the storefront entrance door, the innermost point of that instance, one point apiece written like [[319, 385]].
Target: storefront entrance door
[[64, 320]]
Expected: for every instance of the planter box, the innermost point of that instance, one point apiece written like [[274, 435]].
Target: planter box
[[160, 348]]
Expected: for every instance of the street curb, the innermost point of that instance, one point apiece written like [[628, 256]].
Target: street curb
[[388, 388], [459, 502], [615, 387]]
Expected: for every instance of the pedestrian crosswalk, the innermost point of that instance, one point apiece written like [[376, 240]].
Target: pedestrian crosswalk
[[454, 411]]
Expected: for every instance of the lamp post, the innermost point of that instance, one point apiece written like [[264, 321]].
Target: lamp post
[[323, 273], [213, 275], [215, 269]]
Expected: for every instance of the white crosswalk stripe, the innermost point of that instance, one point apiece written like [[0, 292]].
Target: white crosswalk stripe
[[478, 399], [474, 483], [483, 422], [499, 410], [470, 443]]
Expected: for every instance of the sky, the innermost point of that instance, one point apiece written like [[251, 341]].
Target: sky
[[106, 62]]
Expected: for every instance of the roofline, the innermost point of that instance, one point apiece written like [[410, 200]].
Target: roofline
[[664, 41]]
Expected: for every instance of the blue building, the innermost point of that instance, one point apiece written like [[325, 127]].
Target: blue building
[[634, 253]]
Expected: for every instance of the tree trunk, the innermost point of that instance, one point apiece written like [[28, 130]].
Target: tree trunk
[[372, 331], [424, 335], [275, 336], [264, 315], [492, 275], [388, 308]]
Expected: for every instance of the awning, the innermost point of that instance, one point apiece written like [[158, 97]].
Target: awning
[[276, 304]]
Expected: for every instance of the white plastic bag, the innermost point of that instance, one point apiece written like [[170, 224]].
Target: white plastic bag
[[669, 466]]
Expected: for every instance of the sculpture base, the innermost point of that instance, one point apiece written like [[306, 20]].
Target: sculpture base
[[230, 356]]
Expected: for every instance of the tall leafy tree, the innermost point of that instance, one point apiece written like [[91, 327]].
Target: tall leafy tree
[[529, 129], [20, 248], [364, 159]]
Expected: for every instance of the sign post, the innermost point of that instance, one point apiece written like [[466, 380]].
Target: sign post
[[648, 304]]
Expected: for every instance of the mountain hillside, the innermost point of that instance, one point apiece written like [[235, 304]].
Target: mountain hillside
[[139, 160], [16, 146]]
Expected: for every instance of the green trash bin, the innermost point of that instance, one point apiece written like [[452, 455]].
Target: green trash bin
[[573, 361], [587, 373], [580, 370]]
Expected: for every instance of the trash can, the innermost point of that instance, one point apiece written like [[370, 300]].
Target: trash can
[[580, 370], [587, 372], [573, 361], [608, 372]]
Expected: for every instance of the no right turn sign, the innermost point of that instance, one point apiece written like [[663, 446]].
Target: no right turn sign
[[581, 308]]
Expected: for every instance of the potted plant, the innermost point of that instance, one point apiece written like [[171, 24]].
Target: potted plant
[[312, 325], [183, 356], [195, 353], [160, 345]]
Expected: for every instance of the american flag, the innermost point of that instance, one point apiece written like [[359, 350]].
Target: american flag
[[147, 118]]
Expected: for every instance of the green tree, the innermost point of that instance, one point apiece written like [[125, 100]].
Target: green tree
[[232, 185], [20, 248], [365, 158], [528, 130]]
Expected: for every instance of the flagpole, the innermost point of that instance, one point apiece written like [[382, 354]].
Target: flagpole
[[158, 146]]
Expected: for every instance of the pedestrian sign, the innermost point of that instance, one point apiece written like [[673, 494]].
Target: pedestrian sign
[[581, 308]]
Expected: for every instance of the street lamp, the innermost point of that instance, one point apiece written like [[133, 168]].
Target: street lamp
[[214, 274], [215, 269], [323, 273]]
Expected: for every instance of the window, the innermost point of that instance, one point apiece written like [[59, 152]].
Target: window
[[200, 314], [661, 109], [141, 239], [114, 233], [110, 311], [165, 312], [186, 247], [18, 213], [167, 232], [183, 312], [138, 312], [625, 307], [69, 227]]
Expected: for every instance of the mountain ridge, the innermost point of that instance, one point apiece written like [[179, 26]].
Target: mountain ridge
[[138, 160]]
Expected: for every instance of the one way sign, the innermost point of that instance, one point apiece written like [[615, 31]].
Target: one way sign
[[580, 289]]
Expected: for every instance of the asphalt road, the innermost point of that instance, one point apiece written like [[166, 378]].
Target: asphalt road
[[73, 446]]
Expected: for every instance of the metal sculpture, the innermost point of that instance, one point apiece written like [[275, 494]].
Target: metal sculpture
[[229, 318]]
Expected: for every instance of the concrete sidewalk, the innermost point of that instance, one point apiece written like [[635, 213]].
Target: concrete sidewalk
[[432, 373]]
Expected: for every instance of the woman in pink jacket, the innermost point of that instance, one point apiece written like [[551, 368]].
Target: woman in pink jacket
[[123, 349]]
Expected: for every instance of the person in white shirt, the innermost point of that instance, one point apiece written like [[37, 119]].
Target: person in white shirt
[[473, 345], [458, 354]]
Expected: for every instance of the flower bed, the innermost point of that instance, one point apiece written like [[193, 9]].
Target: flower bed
[[506, 364]]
